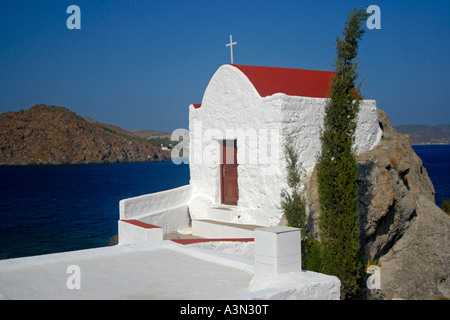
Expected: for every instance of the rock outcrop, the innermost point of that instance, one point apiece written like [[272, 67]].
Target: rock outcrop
[[401, 226], [55, 135]]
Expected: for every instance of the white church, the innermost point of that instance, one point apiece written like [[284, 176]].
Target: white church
[[234, 245], [236, 154]]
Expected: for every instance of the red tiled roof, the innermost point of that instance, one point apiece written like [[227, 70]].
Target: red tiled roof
[[293, 82]]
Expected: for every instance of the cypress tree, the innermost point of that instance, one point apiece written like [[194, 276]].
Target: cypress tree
[[337, 167]]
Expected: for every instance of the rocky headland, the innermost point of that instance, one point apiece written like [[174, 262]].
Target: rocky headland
[[400, 224], [47, 134]]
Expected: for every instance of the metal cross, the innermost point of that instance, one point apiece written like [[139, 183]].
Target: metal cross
[[231, 47]]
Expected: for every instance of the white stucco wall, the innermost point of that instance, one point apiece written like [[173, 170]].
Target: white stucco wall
[[232, 109], [167, 209], [303, 120]]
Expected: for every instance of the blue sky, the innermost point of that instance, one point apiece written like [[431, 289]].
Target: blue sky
[[139, 64]]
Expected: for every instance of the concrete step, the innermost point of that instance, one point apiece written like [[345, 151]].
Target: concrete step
[[208, 228], [223, 213], [185, 231]]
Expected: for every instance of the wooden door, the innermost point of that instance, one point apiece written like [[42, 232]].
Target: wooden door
[[229, 173]]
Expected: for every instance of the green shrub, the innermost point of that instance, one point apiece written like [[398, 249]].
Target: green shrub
[[312, 255], [293, 203], [446, 206]]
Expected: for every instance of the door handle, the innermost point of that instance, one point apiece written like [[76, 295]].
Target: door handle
[[223, 171]]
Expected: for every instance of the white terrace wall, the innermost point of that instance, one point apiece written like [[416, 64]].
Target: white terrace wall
[[233, 109], [166, 209]]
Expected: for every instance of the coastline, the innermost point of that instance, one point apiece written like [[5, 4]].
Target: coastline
[[44, 164]]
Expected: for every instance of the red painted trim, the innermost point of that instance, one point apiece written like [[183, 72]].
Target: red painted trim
[[140, 224], [197, 105], [293, 82], [190, 241]]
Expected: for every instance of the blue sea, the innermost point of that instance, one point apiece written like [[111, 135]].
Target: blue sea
[[49, 209], [436, 159]]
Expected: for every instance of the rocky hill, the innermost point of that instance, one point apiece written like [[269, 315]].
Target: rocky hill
[[151, 134], [401, 225], [158, 138], [421, 134], [55, 135]]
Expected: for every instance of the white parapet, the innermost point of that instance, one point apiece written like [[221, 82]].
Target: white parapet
[[167, 209], [134, 231], [277, 250]]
